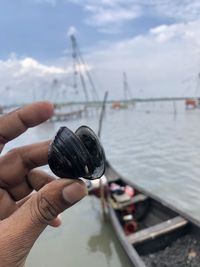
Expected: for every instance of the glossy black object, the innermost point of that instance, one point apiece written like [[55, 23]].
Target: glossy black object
[[79, 154]]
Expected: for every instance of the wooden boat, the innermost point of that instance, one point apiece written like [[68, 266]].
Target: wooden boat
[[152, 232], [119, 105], [191, 103]]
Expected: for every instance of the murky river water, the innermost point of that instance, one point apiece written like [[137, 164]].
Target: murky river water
[[148, 144]]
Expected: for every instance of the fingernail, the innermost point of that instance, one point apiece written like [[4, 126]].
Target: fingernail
[[59, 217], [56, 222], [74, 192]]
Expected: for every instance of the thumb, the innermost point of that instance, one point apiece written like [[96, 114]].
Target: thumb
[[27, 223]]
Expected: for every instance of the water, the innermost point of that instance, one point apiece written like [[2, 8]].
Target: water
[[147, 144]]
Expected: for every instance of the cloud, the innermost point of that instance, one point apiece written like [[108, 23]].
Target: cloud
[[109, 12], [103, 15], [163, 62], [156, 63], [30, 65], [26, 80], [185, 10], [109, 16], [187, 31], [22, 78], [112, 14]]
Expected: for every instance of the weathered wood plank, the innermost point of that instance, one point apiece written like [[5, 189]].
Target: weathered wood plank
[[157, 230]]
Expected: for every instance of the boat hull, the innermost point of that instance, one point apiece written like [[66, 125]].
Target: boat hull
[[161, 229]]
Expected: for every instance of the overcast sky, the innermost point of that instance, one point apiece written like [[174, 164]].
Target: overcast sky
[[156, 42]]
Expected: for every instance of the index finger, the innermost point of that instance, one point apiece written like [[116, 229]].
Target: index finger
[[17, 122]]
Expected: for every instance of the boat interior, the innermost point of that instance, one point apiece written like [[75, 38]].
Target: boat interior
[[148, 224]]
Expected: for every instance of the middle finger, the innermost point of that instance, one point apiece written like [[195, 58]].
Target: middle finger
[[16, 164], [8, 204]]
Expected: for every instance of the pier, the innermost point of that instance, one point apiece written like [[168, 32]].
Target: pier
[[71, 110], [93, 104]]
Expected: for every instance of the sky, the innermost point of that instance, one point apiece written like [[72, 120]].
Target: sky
[[156, 42]]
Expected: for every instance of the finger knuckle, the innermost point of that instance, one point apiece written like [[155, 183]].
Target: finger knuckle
[[14, 152], [44, 210], [3, 139]]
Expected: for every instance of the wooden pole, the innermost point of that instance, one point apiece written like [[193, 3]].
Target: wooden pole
[[102, 113], [102, 193], [102, 197]]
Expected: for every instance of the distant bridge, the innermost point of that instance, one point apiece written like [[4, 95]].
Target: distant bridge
[[134, 100], [99, 103], [130, 101]]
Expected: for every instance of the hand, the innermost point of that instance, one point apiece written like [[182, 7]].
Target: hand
[[24, 214]]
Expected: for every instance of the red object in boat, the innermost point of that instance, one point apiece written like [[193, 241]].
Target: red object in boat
[[191, 102], [129, 190], [116, 105], [130, 227]]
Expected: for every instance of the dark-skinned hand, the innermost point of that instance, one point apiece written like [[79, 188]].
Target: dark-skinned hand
[[30, 199]]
